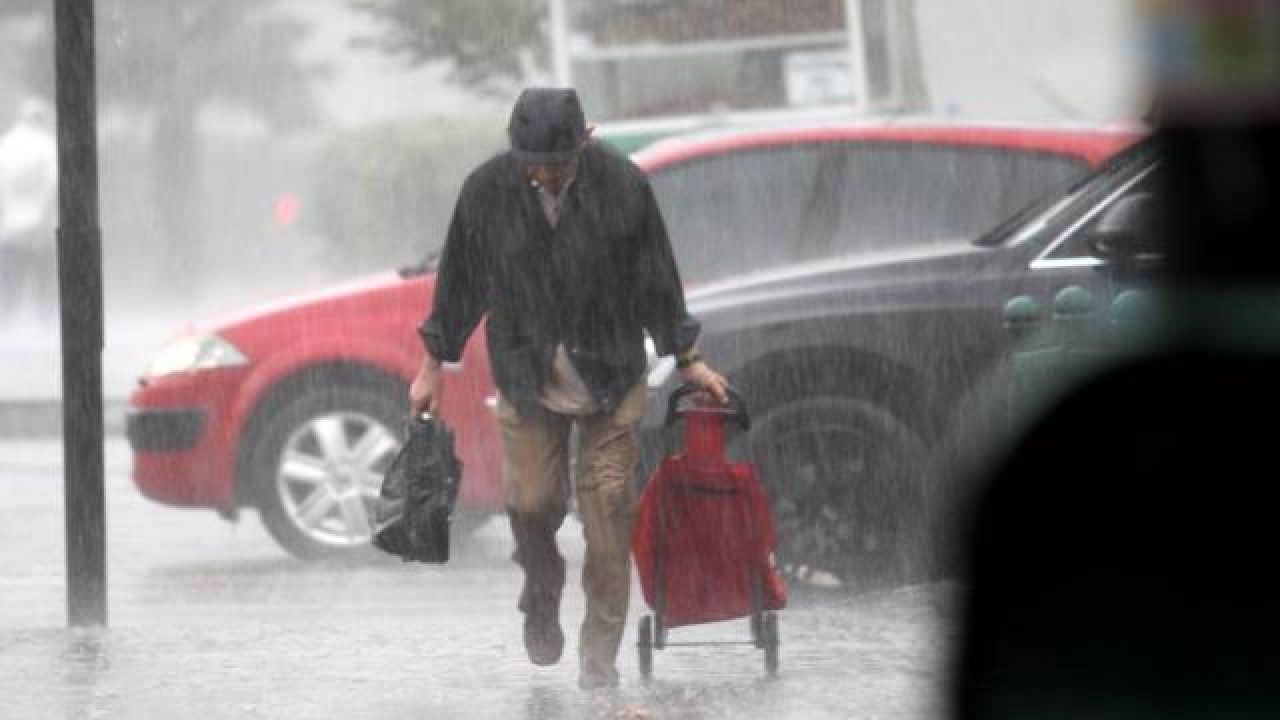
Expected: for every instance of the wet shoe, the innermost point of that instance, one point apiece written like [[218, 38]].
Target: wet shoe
[[543, 638]]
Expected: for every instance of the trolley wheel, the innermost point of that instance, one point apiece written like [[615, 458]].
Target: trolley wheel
[[644, 646], [770, 641]]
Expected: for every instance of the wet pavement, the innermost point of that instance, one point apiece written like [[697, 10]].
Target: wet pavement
[[211, 620]]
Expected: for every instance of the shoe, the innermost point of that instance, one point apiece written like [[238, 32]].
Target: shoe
[[543, 638], [593, 678]]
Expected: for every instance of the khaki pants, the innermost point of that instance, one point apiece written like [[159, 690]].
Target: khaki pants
[[536, 476]]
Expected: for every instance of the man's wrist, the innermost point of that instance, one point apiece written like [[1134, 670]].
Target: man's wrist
[[434, 365]]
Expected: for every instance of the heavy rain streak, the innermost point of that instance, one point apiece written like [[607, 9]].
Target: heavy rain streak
[[320, 215]]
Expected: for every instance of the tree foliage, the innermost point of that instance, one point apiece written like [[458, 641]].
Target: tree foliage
[[383, 194], [16, 8], [165, 56], [162, 56], [165, 62], [169, 56], [491, 44], [28, 62]]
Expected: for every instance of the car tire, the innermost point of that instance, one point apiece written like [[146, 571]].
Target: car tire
[[317, 467], [847, 481]]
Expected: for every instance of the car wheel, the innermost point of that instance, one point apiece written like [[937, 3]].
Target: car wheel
[[318, 468], [846, 479]]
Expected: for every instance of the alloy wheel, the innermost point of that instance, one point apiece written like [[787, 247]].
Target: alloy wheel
[[330, 475]]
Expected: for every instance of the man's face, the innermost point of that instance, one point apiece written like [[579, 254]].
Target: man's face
[[551, 176], [554, 176]]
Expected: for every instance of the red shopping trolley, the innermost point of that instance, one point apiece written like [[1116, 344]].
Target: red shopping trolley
[[705, 537]]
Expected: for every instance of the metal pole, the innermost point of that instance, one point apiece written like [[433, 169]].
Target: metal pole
[[857, 55], [80, 297], [908, 63], [560, 62]]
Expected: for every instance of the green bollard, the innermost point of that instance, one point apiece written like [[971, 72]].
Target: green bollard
[[1078, 334], [1022, 318], [1044, 358], [1023, 322], [1072, 315], [1131, 308]]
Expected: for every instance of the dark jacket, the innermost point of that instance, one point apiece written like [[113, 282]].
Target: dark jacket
[[596, 282]]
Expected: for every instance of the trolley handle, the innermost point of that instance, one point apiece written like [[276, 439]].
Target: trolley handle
[[737, 406]]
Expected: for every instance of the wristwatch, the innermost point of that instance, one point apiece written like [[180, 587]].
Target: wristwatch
[[687, 358]]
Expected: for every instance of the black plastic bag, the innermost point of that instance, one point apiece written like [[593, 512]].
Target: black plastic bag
[[419, 490]]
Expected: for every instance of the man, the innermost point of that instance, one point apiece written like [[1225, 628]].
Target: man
[[561, 242]]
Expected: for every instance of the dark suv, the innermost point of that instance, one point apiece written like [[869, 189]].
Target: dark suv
[[859, 366]]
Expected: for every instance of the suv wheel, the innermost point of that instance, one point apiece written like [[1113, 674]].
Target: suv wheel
[[846, 479], [318, 468]]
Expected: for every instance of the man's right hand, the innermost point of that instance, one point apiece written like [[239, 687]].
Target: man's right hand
[[427, 388]]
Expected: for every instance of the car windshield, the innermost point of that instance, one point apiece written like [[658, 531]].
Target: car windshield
[[839, 197], [1031, 219]]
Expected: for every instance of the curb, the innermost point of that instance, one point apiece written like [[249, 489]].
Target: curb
[[42, 418]]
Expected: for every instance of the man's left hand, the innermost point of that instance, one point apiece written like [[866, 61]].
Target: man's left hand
[[703, 376]]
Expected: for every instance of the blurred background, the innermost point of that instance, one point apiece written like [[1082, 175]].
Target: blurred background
[[256, 149], [253, 148]]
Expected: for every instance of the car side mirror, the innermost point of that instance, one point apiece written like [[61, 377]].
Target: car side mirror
[[1124, 238]]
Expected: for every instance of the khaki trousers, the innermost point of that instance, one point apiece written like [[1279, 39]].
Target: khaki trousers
[[536, 478]]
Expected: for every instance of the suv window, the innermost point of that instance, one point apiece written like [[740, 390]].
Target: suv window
[[1075, 247], [897, 195], [736, 212], [758, 208]]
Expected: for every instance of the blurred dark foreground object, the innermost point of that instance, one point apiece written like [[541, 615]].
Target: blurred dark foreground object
[[1122, 556], [418, 494]]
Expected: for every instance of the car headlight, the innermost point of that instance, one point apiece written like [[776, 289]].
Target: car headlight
[[198, 351]]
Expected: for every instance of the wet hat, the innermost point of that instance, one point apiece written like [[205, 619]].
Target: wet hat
[[547, 125]]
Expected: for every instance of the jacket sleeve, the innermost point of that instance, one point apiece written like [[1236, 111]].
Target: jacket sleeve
[[662, 307], [462, 288]]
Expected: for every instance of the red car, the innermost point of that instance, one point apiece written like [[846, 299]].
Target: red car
[[296, 408]]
